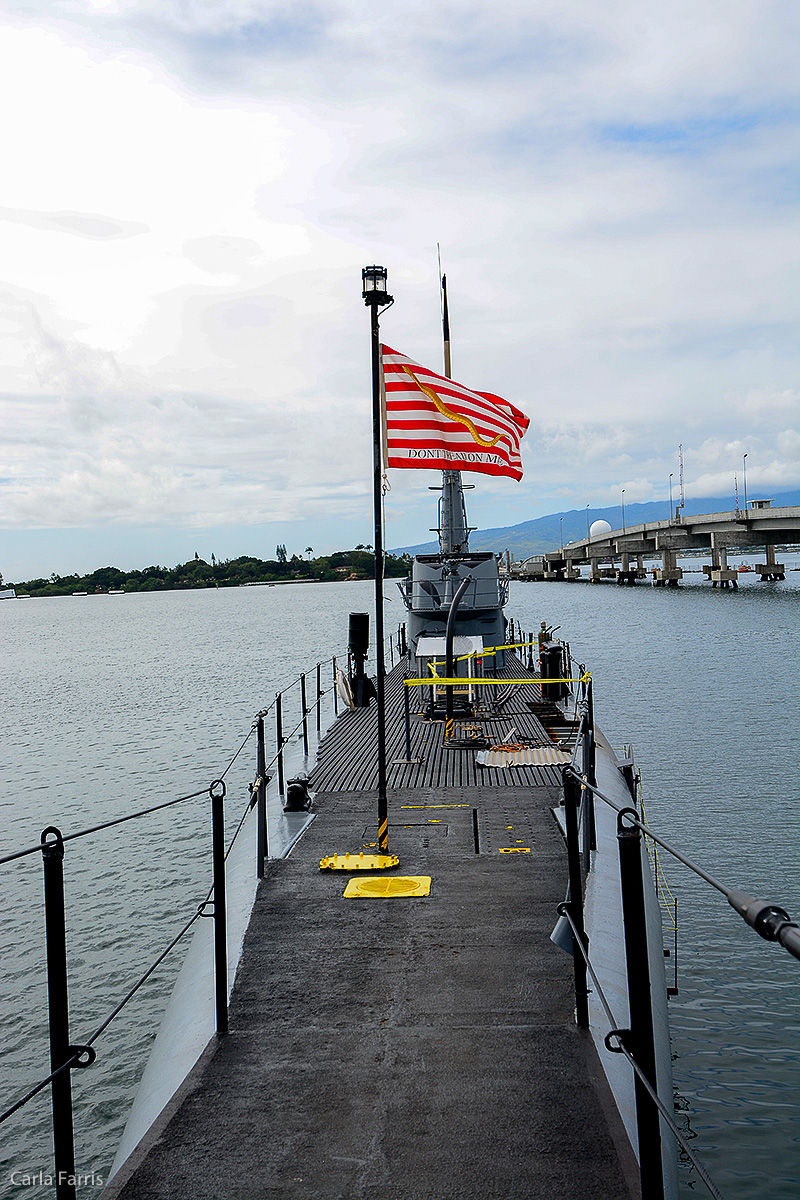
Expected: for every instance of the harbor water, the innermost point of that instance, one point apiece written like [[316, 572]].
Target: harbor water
[[115, 703]]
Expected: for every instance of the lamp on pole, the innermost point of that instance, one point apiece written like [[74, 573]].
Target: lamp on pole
[[670, 494], [623, 510], [744, 480], [375, 295], [588, 535], [561, 524]]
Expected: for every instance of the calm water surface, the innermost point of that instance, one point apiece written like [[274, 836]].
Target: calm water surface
[[115, 703]]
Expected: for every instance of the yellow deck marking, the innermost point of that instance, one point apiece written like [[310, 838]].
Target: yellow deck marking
[[434, 806]]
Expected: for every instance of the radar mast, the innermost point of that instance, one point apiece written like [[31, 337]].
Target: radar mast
[[453, 528]]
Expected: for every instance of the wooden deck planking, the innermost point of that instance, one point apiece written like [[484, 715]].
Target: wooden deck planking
[[347, 759]]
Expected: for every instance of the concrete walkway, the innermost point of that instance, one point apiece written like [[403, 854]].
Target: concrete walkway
[[400, 1049]]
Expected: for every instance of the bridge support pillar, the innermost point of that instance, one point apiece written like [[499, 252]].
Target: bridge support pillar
[[771, 569], [594, 570], [719, 572], [626, 573], [669, 573]]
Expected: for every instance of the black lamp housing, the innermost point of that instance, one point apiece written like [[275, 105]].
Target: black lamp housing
[[373, 281]]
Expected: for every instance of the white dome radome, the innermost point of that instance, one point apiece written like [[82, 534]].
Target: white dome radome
[[599, 527]]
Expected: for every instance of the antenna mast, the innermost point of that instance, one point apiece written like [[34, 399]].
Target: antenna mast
[[445, 318], [453, 531]]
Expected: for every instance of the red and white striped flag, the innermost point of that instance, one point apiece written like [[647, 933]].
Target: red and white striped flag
[[434, 422]]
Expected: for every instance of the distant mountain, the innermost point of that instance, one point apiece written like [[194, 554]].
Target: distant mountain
[[543, 534]]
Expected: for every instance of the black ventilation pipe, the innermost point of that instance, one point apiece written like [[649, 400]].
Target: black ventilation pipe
[[448, 644]]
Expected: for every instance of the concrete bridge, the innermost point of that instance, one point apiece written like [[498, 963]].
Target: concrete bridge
[[619, 554]]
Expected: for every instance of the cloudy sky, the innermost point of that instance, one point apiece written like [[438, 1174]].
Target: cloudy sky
[[190, 189]]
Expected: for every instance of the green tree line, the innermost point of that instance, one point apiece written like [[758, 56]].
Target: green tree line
[[233, 572]]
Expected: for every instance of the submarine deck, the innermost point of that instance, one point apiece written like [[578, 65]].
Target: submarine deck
[[412, 1048]]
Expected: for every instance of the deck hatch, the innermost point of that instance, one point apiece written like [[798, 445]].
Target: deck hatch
[[388, 887]]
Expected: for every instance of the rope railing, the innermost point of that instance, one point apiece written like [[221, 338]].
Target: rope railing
[[143, 812], [770, 921], [83, 1048], [287, 738], [621, 1047], [71, 837], [68, 1055]]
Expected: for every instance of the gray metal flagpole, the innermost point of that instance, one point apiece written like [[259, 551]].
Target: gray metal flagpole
[[375, 296]]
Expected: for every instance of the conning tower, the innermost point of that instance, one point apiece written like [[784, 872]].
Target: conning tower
[[434, 579]]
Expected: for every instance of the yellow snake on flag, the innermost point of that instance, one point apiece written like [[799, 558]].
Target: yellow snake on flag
[[452, 416]]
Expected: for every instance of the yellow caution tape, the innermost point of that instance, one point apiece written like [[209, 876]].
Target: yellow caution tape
[[488, 651], [460, 679]]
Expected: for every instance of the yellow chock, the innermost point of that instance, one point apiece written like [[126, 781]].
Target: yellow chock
[[515, 849], [358, 862]]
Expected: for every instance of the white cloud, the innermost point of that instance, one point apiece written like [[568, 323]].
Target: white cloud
[[191, 189]]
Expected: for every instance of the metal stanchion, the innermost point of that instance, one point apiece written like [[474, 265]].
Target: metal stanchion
[[261, 811], [305, 714], [591, 771], [279, 740], [58, 1004], [641, 1043], [217, 793], [572, 795], [407, 715]]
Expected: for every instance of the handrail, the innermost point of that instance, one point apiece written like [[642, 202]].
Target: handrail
[[79, 1050], [770, 921], [68, 1055], [621, 1047], [69, 837]]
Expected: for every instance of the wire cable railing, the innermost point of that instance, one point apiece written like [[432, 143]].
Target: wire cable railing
[[80, 833], [621, 1047], [769, 920], [634, 837], [66, 1055]]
